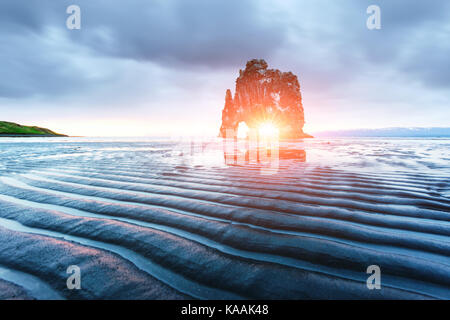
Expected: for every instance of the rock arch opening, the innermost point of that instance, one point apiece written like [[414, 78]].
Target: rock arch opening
[[242, 130]]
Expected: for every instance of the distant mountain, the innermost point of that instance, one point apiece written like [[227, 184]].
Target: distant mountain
[[10, 129], [388, 132]]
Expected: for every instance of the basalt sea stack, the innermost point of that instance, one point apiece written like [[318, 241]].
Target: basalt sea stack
[[264, 95]]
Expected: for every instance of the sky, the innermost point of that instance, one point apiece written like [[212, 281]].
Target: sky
[[161, 67]]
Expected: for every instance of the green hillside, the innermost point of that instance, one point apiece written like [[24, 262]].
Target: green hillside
[[10, 128]]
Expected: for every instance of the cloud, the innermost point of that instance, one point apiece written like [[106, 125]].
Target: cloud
[[194, 33], [149, 53], [41, 56]]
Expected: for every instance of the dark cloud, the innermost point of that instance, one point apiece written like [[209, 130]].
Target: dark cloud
[[175, 34], [414, 39], [200, 32], [325, 41], [331, 45]]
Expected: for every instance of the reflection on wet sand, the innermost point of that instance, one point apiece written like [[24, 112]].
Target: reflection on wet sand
[[242, 153]]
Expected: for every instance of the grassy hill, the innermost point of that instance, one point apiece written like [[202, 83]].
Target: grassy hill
[[14, 129]]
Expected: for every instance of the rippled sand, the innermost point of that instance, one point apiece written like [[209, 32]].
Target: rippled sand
[[157, 219]]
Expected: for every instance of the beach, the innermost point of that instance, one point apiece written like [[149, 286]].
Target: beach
[[163, 218]]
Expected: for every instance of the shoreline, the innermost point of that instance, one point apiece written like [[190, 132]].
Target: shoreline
[[9, 135]]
